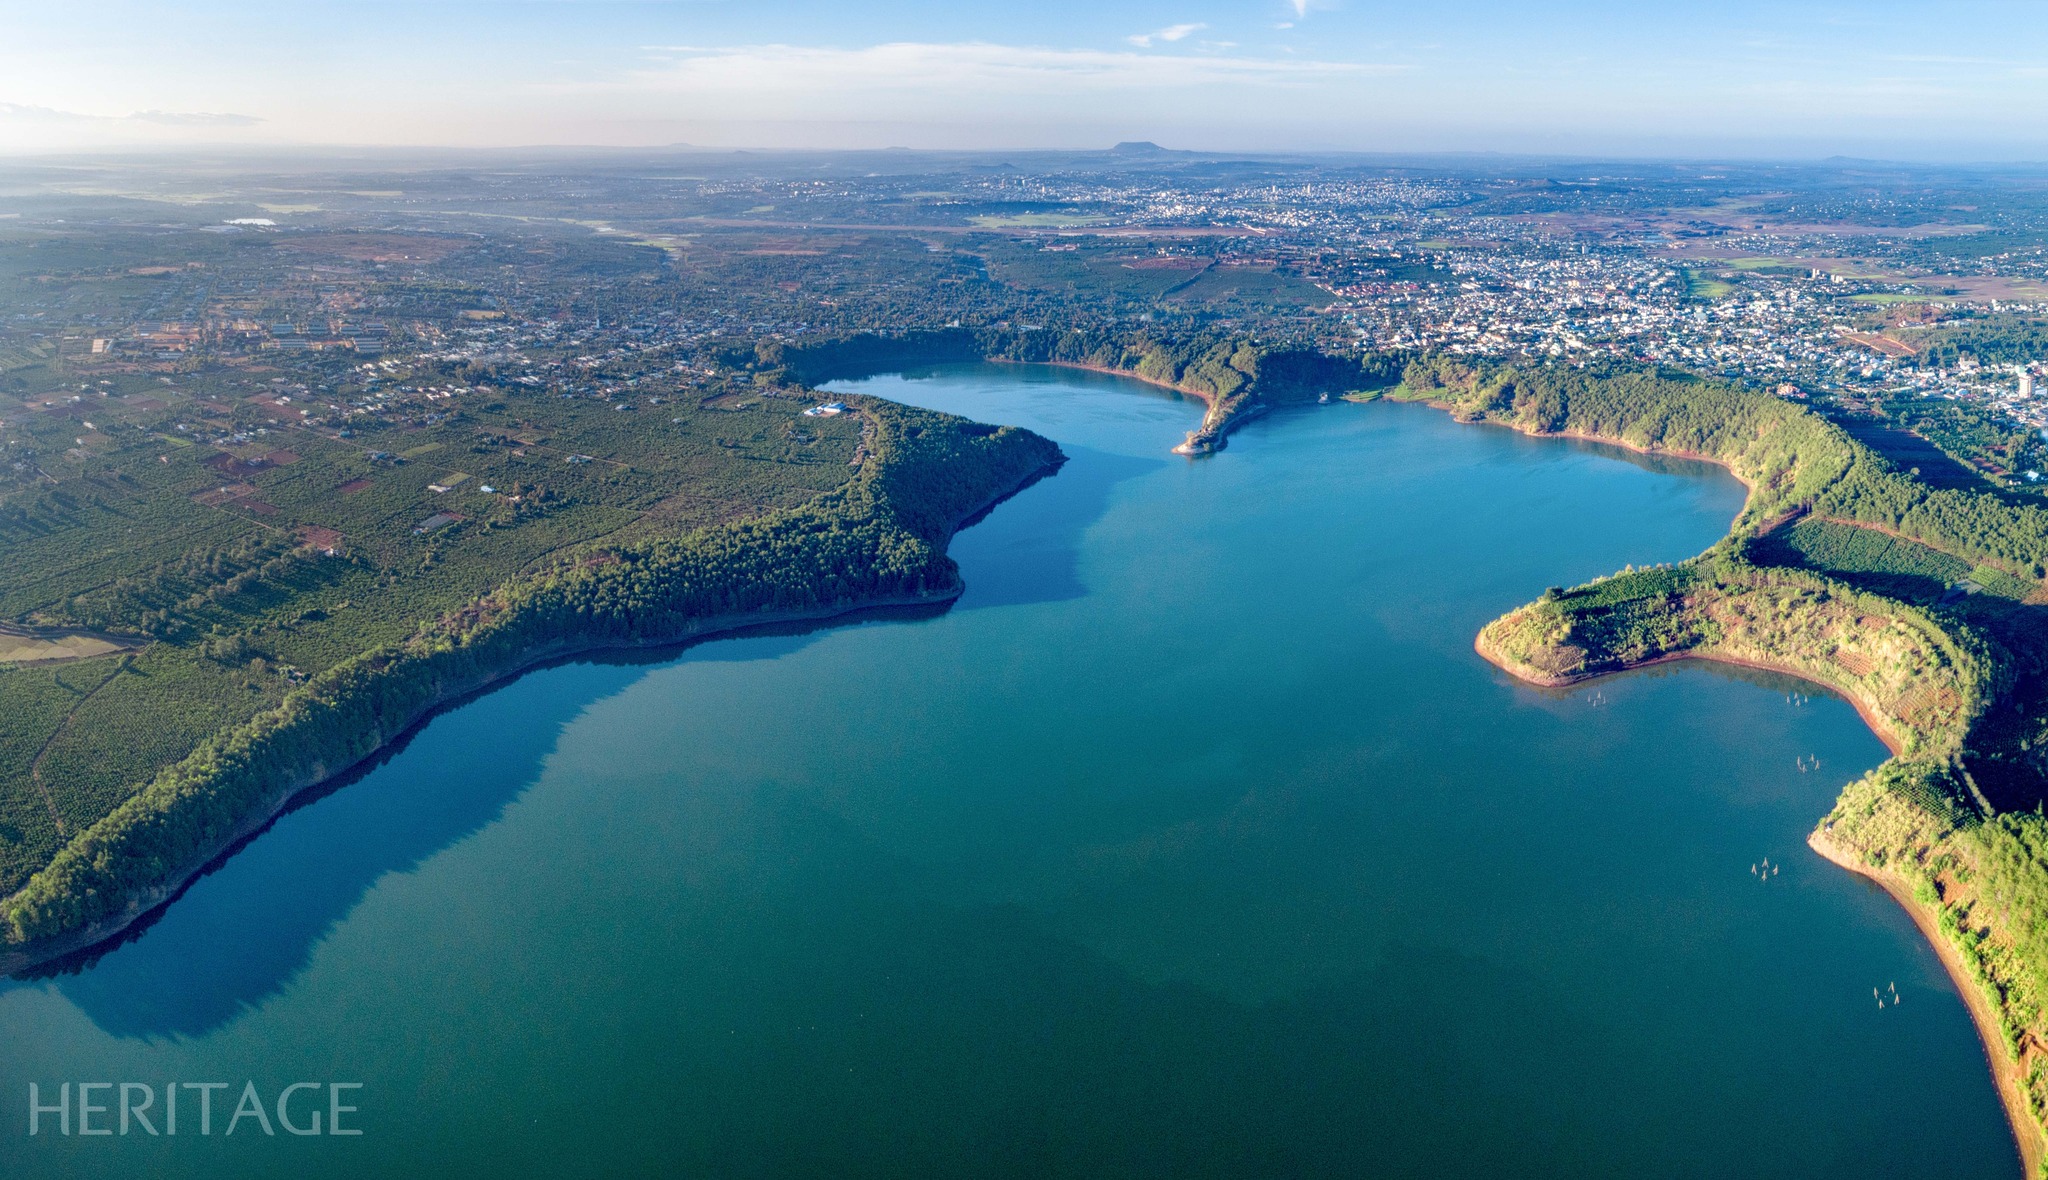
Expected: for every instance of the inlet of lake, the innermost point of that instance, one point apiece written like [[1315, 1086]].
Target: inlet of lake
[[1194, 840]]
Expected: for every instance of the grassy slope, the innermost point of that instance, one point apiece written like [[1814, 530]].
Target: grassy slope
[[1920, 680]]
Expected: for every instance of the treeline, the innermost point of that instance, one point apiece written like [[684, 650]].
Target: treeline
[[1982, 883], [1932, 677], [2001, 341], [1791, 458], [1238, 377], [882, 536], [172, 598]]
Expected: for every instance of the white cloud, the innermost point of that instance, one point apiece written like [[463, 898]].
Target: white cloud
[[767, 77], [934, 66], [962, 93], [26, 127], [27, 113], [1169, 33], [194, 118]]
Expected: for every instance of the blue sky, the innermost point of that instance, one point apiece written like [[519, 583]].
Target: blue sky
[[1956, 80]]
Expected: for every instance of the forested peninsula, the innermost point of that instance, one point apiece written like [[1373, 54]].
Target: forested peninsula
[[877, 539], [1923, 606], [1236, 377], [217, 628]]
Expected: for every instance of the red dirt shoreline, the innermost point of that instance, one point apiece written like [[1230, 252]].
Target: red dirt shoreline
[[1863, 709], [2026, 1133]]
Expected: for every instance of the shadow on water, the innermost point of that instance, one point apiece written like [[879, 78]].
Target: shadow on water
[[1677, 465], [1765, 678], [248, 923], [1654, 462], [1568, 698], [1035, 557]]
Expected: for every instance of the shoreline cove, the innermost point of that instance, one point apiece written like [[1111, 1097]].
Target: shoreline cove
[[1217, 430], [2027, 1133], [2005, 1072], [82, 942], [30, 958], [1865, 710]]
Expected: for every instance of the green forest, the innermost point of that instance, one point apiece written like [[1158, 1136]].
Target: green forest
[[1922, 604], [1238, 378], [1793, 460], [286, 600], [271, 661]]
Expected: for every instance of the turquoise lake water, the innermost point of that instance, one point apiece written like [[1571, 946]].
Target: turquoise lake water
[[1194, 840]]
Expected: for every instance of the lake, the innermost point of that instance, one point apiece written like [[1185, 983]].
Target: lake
[[1194, 840]]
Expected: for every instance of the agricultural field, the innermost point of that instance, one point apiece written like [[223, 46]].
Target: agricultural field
[[1915, 454], [1867, 559], [1701, 285], [1121, 274], [174, 559], [54, 648], [1950, 444], [1045, 220], [1262, 286], [1093, 272]]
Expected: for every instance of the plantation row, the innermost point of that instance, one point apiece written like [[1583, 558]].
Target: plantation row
[[253, 565], [880, 537]]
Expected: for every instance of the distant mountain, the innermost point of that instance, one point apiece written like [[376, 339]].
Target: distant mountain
[[1137, 147]]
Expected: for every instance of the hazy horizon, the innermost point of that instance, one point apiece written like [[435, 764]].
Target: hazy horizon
[[1534, 162], [1587, 78]]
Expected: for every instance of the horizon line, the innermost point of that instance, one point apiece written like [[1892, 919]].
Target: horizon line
[[1135, 148]]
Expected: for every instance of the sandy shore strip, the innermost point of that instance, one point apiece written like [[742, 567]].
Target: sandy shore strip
[[2005, 1071]]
